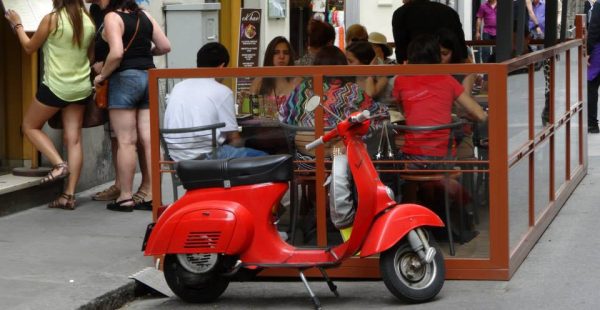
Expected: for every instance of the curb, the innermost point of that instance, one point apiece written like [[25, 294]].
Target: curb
[[114, 299]]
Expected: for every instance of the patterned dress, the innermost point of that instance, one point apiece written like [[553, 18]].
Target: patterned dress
[[341, 98]]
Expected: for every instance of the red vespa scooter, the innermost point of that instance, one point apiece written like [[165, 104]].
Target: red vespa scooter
[[224, 226]]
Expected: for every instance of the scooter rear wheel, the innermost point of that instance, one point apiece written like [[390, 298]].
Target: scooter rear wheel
[[195, 287], [407, 277]]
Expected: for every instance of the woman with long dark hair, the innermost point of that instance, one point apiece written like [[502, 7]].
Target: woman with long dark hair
[[279, 53], [65, 36], [133, 37]]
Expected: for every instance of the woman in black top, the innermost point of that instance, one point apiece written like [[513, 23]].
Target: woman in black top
[[134, 37]]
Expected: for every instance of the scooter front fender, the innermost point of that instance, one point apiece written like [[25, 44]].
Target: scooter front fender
[[393, 225], [204, 227]]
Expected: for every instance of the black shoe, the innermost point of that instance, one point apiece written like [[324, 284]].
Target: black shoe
[[119, 206], [593, 129], [144, 206]]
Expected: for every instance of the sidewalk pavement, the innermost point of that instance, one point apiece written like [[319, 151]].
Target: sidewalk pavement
[[56, 259]]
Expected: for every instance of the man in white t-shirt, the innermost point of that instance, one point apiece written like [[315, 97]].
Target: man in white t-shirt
[[202, 102]]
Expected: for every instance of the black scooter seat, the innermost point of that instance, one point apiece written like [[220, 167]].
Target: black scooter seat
[[226, 173]]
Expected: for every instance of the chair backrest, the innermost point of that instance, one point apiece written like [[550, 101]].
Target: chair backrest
[[401, 129], [191, 138]]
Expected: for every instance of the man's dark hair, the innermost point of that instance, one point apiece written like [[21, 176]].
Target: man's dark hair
[[212, 55], [424, 49]]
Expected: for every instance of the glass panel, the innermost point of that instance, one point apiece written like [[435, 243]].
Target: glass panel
[[560, 84], [542, 98], [542, 178], [518, 115], [560, 157], [575, 78], [575, 143], [518, 197]]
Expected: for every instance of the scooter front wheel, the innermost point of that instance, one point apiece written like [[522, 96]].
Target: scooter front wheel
[[195, 278], [408, 277]]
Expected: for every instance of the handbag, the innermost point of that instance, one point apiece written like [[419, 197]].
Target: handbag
[[101, 96], [92, 116]]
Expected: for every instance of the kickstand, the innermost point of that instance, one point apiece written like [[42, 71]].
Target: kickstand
[[332, 287], [314, 297]]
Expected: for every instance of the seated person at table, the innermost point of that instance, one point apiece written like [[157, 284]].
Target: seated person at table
[[343, 96], [279, 53], [203, 102], [427, 101]]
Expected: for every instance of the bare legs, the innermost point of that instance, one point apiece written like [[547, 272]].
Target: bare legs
[[72, 118], [35, 118], [144, 151], [129, 125]]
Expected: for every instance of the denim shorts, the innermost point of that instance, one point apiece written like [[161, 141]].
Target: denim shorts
[[128, 89]]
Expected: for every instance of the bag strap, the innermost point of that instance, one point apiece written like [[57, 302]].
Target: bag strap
[[137, 27]]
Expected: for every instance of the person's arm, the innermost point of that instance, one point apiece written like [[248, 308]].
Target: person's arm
[[234, 139], [160, 40], [468, 82], [472, 107], [255, 86], [113, 34], [532, 16], [30, 45], [374, 86], [478, 28]]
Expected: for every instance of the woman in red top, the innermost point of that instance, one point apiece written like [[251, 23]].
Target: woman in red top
[[427, 101]]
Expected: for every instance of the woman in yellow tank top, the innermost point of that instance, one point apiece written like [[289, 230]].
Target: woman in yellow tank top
[[65, 36]]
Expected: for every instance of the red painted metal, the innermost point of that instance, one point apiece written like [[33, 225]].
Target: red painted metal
[[389, 228]]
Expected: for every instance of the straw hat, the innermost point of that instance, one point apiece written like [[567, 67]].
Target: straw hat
[[380, 39]]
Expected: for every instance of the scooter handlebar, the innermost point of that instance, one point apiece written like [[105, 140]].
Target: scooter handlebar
[[363, 116], [314, 144]]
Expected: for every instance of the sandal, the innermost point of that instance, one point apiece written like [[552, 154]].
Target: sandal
[[120, 206], [64, 172], [109, 194], [68, 205], [140, 202]]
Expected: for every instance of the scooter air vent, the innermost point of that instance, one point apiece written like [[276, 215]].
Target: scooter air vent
[[202, 239]]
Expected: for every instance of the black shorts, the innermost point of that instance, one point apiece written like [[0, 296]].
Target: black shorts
[[47, 97]]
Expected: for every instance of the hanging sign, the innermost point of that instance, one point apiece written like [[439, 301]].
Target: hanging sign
[[249, 43]]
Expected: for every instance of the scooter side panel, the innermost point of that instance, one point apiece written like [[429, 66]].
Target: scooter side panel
[[204, 227], [393, 225]]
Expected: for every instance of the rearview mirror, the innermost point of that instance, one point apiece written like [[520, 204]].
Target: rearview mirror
[[312, 103]]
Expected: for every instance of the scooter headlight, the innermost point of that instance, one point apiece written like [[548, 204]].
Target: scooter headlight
[[390, 193]]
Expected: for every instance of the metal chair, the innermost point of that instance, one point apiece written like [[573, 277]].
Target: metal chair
[[414, 178], [191, 138]]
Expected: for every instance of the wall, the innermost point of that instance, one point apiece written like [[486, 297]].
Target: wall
[[269, 28], [377, 16]]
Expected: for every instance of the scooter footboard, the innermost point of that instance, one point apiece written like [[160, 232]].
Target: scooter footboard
[[206, 227], [393, 225]]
